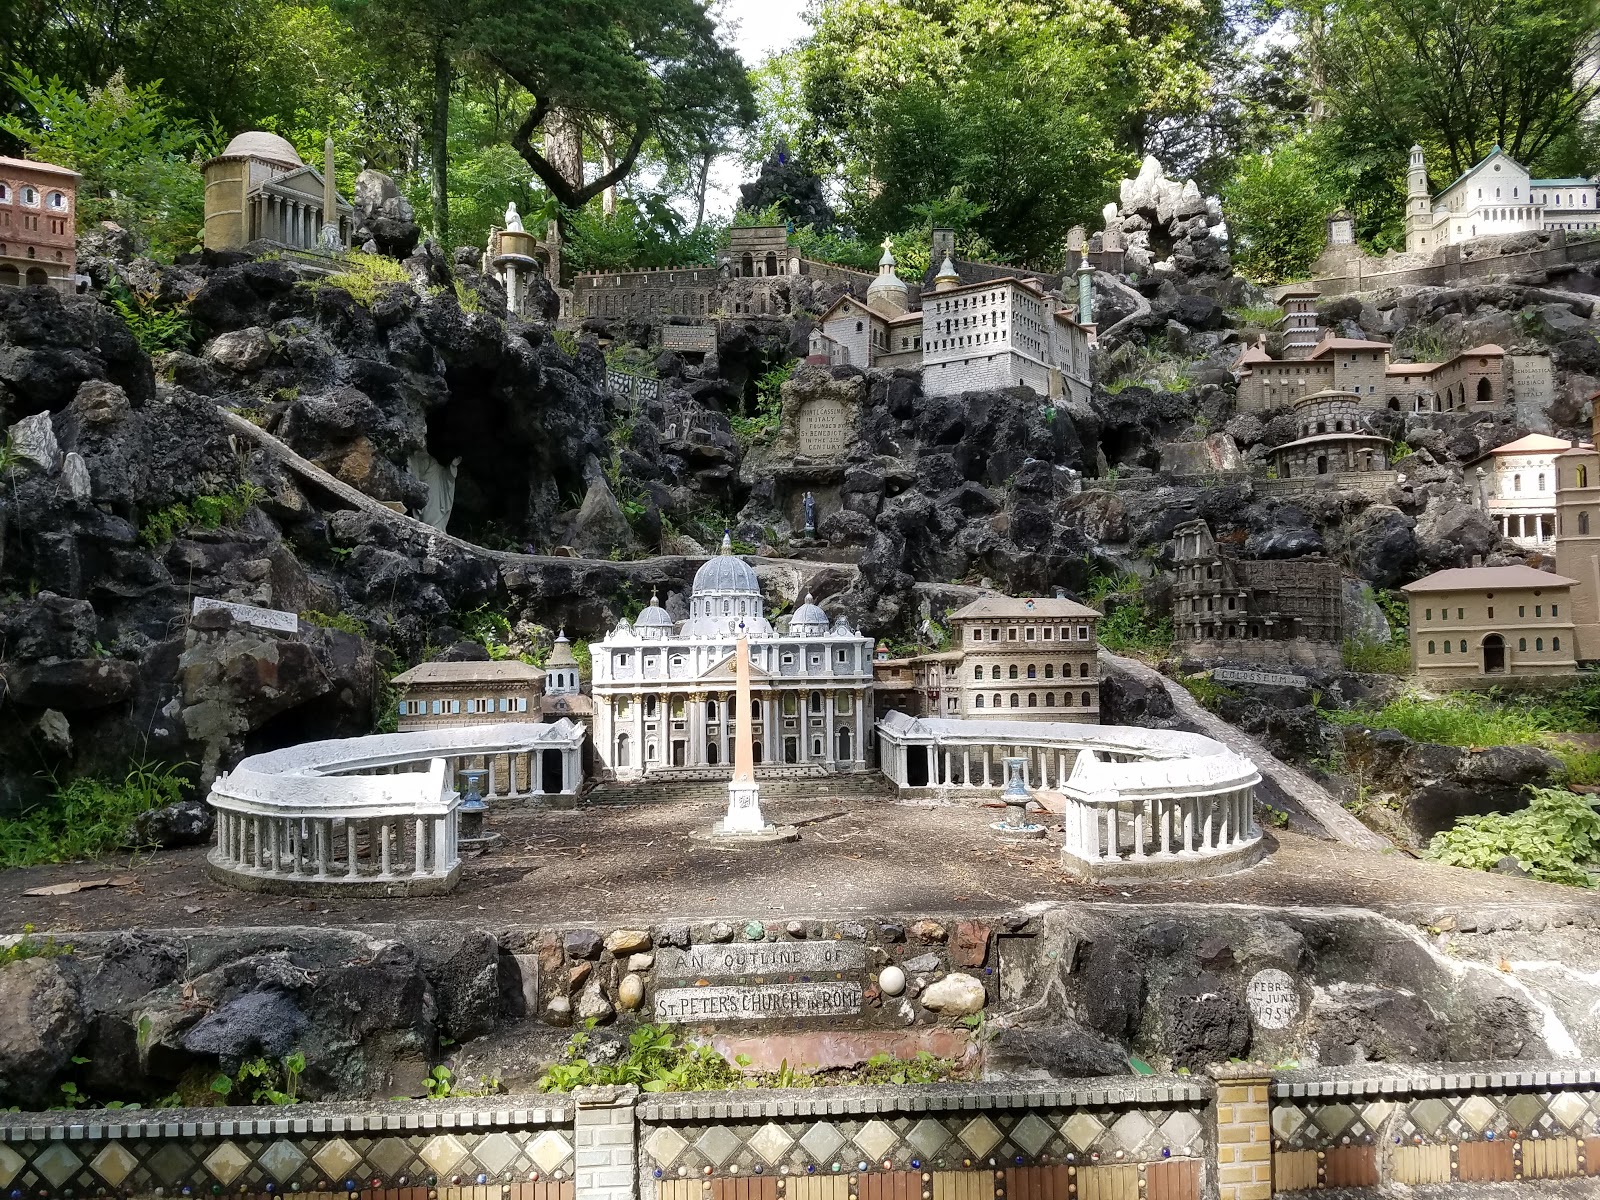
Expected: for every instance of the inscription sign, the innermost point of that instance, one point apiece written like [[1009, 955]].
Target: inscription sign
[[735, 960], [248, 614], [823, 428], [759, 1003], [1274, 1002], [701, 338], [1531, 381], [1270, 678]]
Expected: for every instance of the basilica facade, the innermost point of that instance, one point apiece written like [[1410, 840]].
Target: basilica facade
[[664, 691]]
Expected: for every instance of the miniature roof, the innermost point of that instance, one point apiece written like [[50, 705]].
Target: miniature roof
[[561, 653], [1411, 368], [258, 143], [1339, 343], [978, 285], [506, 670], [1534, 443], [1297, 290], [726, 572], [1320, 439], [1487, 350], [1023, 606], [34, 165], [653, 616], [1253, 354], [1575, 181], [1470, 579], [1326, 394], [1496, 152], [947, 270]]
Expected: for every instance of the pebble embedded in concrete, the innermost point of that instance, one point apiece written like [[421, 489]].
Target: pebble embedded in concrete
[[891, 981], [956, 995], [630, 992]]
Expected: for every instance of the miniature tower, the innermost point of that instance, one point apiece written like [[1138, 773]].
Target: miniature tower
[[1419, 209], [1085, 292], [942, 243], [947, 277], [561, 672], [1299, 320]]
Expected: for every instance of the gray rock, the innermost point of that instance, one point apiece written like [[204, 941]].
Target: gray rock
[[921, 964], [241, 350], [186, 823], [1205, 1023], [33, 441], [593, 1005], [601, 527], [266, 1023], [1065, 1051], [75, 474], [55, 731], [41, 1025], [582, 943]]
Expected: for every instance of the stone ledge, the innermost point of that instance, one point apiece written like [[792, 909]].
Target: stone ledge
[[1398, 1080]]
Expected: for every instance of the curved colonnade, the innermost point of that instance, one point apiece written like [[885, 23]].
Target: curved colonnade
[[375, 815], [1136, 803]]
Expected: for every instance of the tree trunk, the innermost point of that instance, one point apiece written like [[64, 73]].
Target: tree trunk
[[439, 144], [608, 164], [705, 178], [563, 146]]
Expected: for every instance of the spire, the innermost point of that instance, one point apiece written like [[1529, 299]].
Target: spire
[[886, 263], [727, 541], [947, 277]]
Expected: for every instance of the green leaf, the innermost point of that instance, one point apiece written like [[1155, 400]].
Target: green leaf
[[1139, 1066]]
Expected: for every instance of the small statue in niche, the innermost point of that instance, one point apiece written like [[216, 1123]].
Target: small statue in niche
[[811, 514]]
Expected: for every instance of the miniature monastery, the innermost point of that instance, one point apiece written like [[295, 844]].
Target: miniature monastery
[[1469, 622], [1497, 196], [1031, 658], [258, 189], [662, 689], [38, 225], [968, 335]]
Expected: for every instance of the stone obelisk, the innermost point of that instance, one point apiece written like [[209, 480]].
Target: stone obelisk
[[744, 797], [328, 235]]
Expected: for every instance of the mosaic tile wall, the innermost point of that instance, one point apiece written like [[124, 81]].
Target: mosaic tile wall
[[927, 1144], [437, 1154], [1472, 1127]]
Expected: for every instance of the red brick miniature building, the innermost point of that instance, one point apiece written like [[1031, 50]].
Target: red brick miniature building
[[38, 224]]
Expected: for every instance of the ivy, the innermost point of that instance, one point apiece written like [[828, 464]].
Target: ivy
[[1552, 839]]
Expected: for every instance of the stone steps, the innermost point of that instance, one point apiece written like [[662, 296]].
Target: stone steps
[[827, 787]]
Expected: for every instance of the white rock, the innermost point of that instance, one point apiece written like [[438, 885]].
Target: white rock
[[641, 962], [593, 1005], [75, 474], [33, 440], [630, 993], [956, 995], [241, 349], [891, 981]]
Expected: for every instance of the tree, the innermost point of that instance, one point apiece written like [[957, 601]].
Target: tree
[[1276, 208], [1457, 76]]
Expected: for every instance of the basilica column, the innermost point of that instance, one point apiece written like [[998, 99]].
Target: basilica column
[[829, 755]]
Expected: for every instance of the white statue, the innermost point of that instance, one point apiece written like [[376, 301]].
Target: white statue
[[513, 218], [441, 483]]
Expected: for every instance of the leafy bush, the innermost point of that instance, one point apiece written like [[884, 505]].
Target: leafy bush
[[88, 817], [442, 1084], [1208, 692], [1377, 658], [206, 512], [1263, 316], [769, 405], [490, 629], [1276, 207], [1461, 719], [27, 946], [262, 1082], [343, 622], [1551, 839], [155, 329], [656, 1061]]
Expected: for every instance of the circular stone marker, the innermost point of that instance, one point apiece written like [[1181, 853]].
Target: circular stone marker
[[1273, 999]]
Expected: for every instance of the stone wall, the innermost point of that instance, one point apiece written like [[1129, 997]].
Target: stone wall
[[1368, 483], [1364, 274]]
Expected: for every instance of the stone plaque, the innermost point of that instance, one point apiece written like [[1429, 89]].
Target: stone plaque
[[1531, 381], [694, 338], [760, 1002], [1273, 999], [1269, 678], [248, 614], [738, 959], [823, 427]]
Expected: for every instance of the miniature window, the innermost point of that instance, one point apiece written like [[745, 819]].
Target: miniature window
[[1538, 610], [1028, 636], [1522, 643], [1011, 634], [994, 635], [1012, 673], [30, 196], [1049, 699], [977, 634], [1427, 614], [1491, 612], [844, 656], [5, 194], [1047, 632], [1033, 672], [842, 704], [1066, 699], [1431, 645], [1463, 645], [1083, 633], [1538, 643], [1083, 670], [57, 201], [677, 660], [1447, 645], [1583, 522], [1555, 610], [977, 702], [791, 704], [816, 702], [977, 672], [1033, 700], [1461, 614], [1086, 700], [994, 672], [677, 706], [788, 659], [1522, 610], [1555, 643], [1049, 670], [1016, 700]]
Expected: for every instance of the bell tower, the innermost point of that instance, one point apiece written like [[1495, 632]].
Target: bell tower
[[1419, 209]]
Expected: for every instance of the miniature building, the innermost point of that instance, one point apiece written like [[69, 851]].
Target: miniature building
[[1578, 540], [438, 694], [563, 689], [258, 189], [1497, 196], [662, 692], [38, 225], [1032, 658], [1272, 611], [1334, 439], [1299, 321], [758, 252], [1517, 486], [894, 684], [877, 333], [1475, 624]]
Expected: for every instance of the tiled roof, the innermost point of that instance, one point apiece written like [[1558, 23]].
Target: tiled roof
[[1470, 579], [1024, 606]]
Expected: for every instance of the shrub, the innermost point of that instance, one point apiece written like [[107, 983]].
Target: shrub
[[206, 511], [27, 946], [1377, 658], [155, 329], [769, 405], [1551, 839], [656, 1061], [88, 817], [343, 622]]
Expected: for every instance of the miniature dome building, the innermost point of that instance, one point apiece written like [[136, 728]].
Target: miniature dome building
[[1334, 439], [888, 292], [259, 189], [664, 697]]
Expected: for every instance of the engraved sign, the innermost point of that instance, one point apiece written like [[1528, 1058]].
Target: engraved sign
[[1270, 678], [760, 958], [1274, 1002], [759, 1003], [823, 428], [248, 614], [701, 338], [1531, 381]]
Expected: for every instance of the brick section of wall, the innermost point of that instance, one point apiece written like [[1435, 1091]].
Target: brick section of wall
[[1244, 1134], [603, 1141]]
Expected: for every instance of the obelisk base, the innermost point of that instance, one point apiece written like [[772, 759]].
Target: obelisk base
[[743, 825]]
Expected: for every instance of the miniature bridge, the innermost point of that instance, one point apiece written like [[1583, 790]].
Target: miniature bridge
[[376, 815]]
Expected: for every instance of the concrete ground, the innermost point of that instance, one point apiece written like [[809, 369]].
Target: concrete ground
[[613, 863]]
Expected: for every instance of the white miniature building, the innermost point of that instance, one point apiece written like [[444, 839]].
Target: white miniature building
[[1497, 196], [879, 333], [662, 692], [563, 688], [1033, 658], [1517, 486]]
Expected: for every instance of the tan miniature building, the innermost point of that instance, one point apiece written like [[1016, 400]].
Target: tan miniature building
[[563, 686], [437, 694], [1578, 540], [38, 225], [1335, 440], [1032, 658], [1472, 626], [258, 189], [1517, 487]]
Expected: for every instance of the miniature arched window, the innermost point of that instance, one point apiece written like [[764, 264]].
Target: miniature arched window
[[57, 201], [1522, 644], [1538, 643], [1541, 481], [711, 710], [1463, 645], [1086, 700], [622, 750], [1066, 699], [5, 193], [1516, 483], [1012, 672], [1583, 475], [1583, 522], [1555, 643], [727, 607], [1049, 699], [977, 702], [977, 672], [997, 700], [1016, 700], [1083, 670], [816, 747], [30, 195], [816, 702], [772, 263], [1033, 700], [747, 266], [1485, 392], [1431, 646], [1049, 670], [994, 672], [649, 706]]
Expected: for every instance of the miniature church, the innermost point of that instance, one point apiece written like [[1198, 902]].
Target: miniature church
[[259, 189]]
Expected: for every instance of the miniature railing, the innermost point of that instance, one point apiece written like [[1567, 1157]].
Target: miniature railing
[[632, 386], [375, 815]]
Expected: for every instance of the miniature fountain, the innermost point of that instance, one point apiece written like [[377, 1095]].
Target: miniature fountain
[[1016, 797]]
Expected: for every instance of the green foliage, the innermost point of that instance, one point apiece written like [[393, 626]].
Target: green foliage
[[1129, 625], [656, 1061], [489, 628], [342, 621], [1427, 345], [9, 455], [647, 232], [769, 406], [139, 163], [1260, 316], [27, 946], [441, 1084], [365, 276], [1276, 208], [260, 1081], [1377, 658], [211, 511], [1208, 692], [1552, 839], [468, 300], [566, 340], [154, 328], [884, 1068], [89, 817]]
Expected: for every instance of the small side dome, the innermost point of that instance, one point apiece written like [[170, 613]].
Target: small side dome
[[653, 620], [947, 277], [258, 143], [888, 292], [808, 619]]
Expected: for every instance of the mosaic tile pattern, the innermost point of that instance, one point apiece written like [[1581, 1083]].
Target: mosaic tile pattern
[[304, 1154], [1167, 1180], [960, 1140], [1319, 1124]]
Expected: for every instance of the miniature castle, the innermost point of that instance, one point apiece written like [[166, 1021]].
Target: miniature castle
[[38, 225]]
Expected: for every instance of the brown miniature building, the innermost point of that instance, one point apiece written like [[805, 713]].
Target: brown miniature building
[[38, 225], [1471, 626], [1030, 658], [438, 694], [1578, 538]]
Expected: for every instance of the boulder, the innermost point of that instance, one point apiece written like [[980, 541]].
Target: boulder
[[956, 995], [186, 823], [41, 1025], [33, 442], [1204, 1022], [241, 350], [1063, 1051], [266, 1024]]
